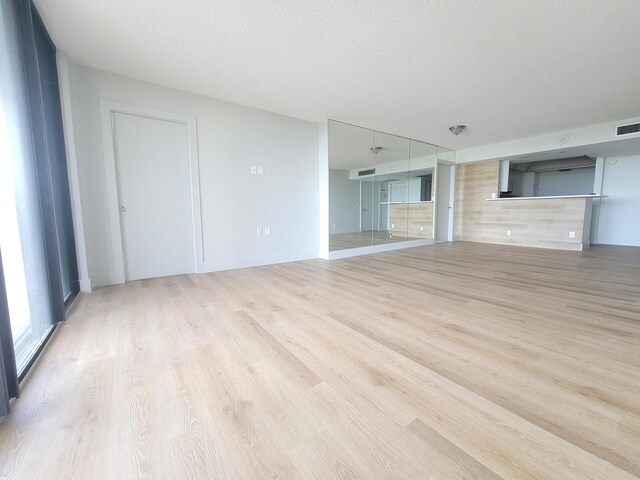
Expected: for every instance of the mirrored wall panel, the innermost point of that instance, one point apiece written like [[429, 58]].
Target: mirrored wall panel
[[381, 187], [350, 158], [421, 189]]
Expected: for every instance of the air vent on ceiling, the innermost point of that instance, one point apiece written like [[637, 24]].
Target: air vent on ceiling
[[362, 173], [627, 129]]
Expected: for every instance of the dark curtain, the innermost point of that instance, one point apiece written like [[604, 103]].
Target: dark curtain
[[8, 375], [33, 68], [45, 112]]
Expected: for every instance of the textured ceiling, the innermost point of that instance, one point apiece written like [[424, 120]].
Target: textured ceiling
[[506, 68]]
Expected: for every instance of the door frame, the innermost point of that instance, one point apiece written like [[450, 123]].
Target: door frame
[[107, 109], [362, 187], [451, 200]]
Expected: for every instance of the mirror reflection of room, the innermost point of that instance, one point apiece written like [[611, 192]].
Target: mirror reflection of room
[[380, 188]]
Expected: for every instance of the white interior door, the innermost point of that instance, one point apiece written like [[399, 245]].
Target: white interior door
[[366, 203], [444, 207], [154, 189], [399, 192]]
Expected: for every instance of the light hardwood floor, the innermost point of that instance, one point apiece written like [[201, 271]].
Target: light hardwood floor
[[367, 238], [448, 361]]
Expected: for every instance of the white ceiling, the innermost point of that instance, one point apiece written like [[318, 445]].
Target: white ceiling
[[508, 69]]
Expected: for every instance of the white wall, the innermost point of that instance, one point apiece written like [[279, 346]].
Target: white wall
[[576, 137], [323, 188], [578, 181], [234, 203], [619, 217], [344, 202]]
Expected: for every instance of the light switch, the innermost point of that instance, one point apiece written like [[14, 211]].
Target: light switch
[[259, 231], [260, 170], [267, 231], [253, 170]]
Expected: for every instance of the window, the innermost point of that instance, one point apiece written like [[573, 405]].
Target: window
[[36, 234]]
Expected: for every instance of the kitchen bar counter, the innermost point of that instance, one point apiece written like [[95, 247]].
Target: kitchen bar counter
[[411, 202], [543, 198], [560, 222]]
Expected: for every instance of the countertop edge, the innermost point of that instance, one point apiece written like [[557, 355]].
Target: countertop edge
[[544, 198]]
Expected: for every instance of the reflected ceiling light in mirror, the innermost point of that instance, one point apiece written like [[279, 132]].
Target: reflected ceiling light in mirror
[[376, 150], [457, 129]]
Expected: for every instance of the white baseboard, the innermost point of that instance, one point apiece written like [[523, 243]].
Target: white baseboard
[[387, 247], [85, 285], [232, 264]]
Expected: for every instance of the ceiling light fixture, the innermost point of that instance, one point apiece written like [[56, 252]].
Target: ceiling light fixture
[[457, 129], [376, 150]]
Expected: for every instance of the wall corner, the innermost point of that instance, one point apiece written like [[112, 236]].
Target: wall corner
[[64, 82], [323, 176]]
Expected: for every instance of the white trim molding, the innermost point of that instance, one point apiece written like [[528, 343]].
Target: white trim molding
[[451, 200], [235, 263], [107, 108], [323, 163], [68, 128], [385, 247]]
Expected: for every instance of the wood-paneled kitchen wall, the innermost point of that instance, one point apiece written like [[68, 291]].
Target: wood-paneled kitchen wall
[[542, 223], [414, 219]]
